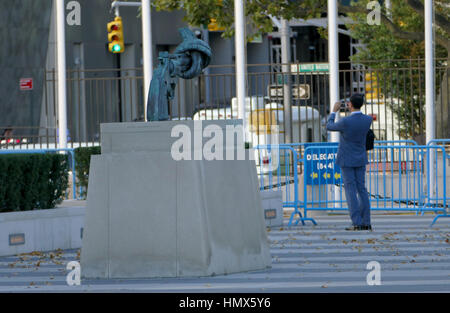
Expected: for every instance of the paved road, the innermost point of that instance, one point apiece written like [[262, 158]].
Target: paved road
[[322, 258]]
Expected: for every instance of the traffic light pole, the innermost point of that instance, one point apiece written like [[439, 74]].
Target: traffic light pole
[[147, 56], [116, 4]]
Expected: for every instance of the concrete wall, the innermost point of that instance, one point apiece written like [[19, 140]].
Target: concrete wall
[[24, 28], [42, 230]]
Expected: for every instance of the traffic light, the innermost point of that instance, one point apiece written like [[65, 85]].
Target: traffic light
[[115, 36]]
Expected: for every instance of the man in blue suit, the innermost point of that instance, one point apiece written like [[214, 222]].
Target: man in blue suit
[[352, 159]]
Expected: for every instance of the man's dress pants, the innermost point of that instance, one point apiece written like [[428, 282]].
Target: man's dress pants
[[356, 195]]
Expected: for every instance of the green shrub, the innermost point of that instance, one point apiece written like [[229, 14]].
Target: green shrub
[[83, 161], [32, 181]]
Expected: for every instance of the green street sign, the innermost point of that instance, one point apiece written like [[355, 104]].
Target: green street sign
[[306, 68], [322, 67], [310, 68]]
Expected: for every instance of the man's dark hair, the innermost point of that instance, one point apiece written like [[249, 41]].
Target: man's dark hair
[[357, 100]]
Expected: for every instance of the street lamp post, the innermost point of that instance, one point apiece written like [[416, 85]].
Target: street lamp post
[[147, 54], [429, 71], [239, 21], [333, 59], [287, 86], [429, 91], [61, 61]]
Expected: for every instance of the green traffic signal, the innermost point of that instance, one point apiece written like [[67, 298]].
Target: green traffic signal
[[115, 36]]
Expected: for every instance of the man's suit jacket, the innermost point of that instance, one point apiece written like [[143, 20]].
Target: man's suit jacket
[[352, 141]]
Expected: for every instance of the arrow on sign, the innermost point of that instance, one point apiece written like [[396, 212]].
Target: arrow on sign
[[314, 175], [337, 175], [326, 175]]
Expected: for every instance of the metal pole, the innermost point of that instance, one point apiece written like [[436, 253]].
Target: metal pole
[[147, 54], [61, 61], [429, 72], [239, 38], [429, 89], [207, 72], [287, 88], [116, 4], [333, 59]]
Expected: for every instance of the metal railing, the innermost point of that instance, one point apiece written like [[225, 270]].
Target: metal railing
[[394, 91]]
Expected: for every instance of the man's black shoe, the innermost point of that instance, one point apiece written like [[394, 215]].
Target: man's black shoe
[[366, 227], [354, 228]]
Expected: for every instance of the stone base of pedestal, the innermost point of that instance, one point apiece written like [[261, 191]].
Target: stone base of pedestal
[[272, 202], [148, 215]]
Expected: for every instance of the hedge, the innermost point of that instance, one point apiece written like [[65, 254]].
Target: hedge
[[32, 181], [83, 161]]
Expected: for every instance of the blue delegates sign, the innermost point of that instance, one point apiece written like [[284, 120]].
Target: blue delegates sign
[[321, 167]]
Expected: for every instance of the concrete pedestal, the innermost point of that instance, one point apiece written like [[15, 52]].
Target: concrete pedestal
[[148, 215], [272, 202]]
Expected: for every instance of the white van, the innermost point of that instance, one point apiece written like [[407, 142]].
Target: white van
[[260, 115]]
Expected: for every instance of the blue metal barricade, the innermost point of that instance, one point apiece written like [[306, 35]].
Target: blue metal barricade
[[276, 170], [396, 142], [277, 167], [398, 178], [402, 172], [321, 180], [71, 161], [442, 198]]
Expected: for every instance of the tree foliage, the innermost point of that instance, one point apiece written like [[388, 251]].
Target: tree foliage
[[399, 36], [389, 46], [407, 22], [200, 12]]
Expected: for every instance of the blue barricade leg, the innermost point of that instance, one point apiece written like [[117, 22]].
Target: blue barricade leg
[[437, 217]]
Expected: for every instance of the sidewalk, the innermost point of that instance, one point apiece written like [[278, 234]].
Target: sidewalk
[[322, 258]]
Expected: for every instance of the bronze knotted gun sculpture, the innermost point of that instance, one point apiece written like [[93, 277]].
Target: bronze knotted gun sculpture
[[187, 61]]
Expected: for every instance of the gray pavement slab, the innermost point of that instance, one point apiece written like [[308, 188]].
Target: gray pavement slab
[[324, 258]]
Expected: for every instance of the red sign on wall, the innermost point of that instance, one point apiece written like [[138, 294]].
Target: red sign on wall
[[26, 84]]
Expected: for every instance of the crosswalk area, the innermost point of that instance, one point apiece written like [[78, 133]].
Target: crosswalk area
[[412, 257]]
